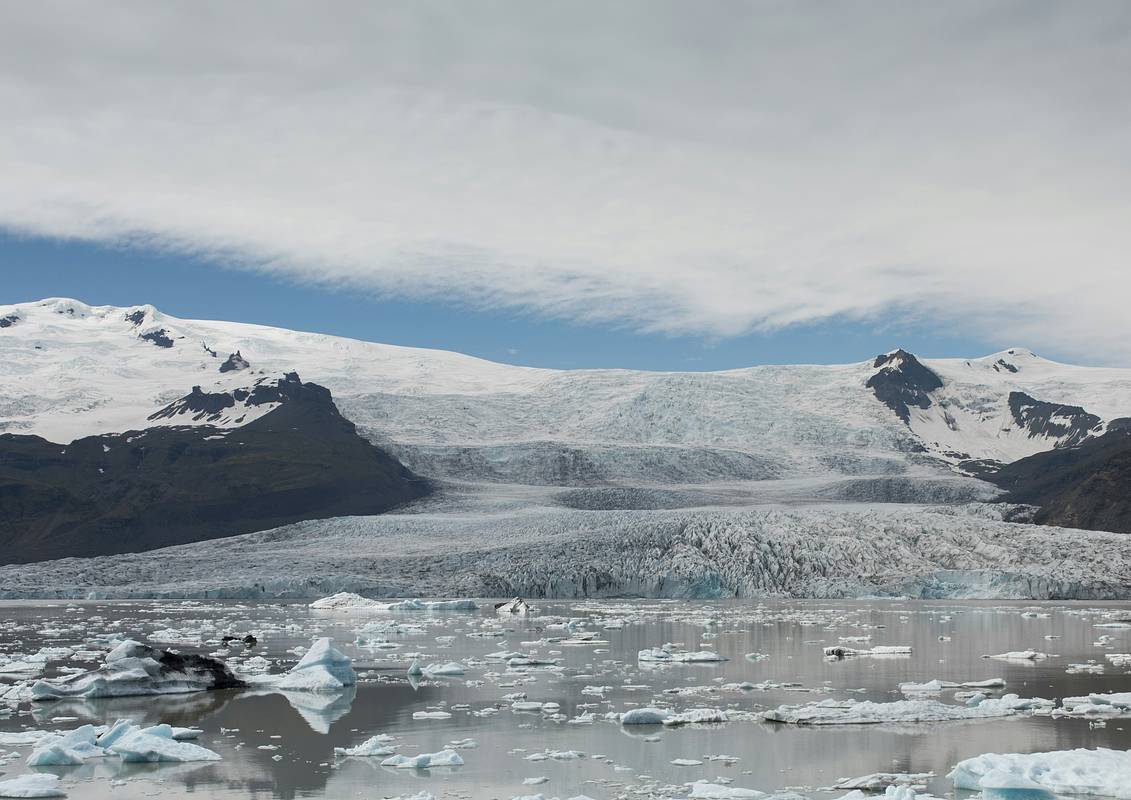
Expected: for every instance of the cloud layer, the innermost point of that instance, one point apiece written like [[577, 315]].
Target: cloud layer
[[697, 168]]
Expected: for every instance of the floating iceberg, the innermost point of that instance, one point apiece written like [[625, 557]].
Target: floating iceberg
[[321, 669], [851, 712], [515, 606], [154, 744], [668, 655], [1020, 655], [840, 651], [66, 749], [882, 780], [1088, 772], [702, 790], [36, 785], [938, 686], [133, 668], [349, 601], [645, 716], [345, 601], [444, 758], [696, 716], [379, 745], [123, 739], [1112, 704]]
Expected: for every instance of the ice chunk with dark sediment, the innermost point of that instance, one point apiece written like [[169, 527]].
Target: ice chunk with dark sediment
[[133, 668]]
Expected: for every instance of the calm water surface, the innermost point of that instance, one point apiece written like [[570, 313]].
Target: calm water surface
[[302, 730]]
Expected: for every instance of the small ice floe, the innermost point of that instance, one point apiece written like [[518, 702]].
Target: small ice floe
[[1021, 655], [1119, 659], [22, 669], [514, 606], [321, 669], [520, 662], [421, 715], [133, 668], [443, 670], [849, 712], [16, 738], [379, 745], [40, 784], [556, 755], [702, 790], [938, 686], [1090, 772], [535, 781], [839, 651], [882, 780], [669, 655], [686, 762], [444, 758], [1088, 668]]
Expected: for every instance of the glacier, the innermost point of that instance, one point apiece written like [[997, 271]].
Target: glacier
[[537, 552]]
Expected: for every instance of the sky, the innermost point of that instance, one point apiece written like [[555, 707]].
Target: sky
[[654, 185]]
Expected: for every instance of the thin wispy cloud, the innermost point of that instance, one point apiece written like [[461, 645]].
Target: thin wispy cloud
[[710, 168]]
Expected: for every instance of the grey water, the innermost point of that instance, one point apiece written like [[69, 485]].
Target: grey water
[[277, 745]]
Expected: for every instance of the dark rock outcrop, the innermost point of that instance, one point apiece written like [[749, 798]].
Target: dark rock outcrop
[[142, 490], [1071, 424], [159, 337], [1086, 486], [902, 383], [234, 362], [9, 320]]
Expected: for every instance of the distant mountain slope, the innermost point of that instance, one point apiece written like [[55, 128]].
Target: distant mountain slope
[[72, 370], [296, 459], [1087, 486]]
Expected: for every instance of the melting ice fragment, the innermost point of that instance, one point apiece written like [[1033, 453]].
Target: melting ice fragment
[[36, 785]]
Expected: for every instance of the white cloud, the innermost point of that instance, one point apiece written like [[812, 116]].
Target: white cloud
[[707, 168]]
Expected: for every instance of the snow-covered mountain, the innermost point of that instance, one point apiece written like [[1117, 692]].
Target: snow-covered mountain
[[73, 370], [813, 480]]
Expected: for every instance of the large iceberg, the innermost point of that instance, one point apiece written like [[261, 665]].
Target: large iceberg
[[133, 668], [322, 669], [1102, 772]]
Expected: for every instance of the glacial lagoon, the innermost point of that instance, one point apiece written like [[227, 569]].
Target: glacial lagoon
[[537, 708]]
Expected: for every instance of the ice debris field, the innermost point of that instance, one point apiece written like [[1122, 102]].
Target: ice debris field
[[458, 698]]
